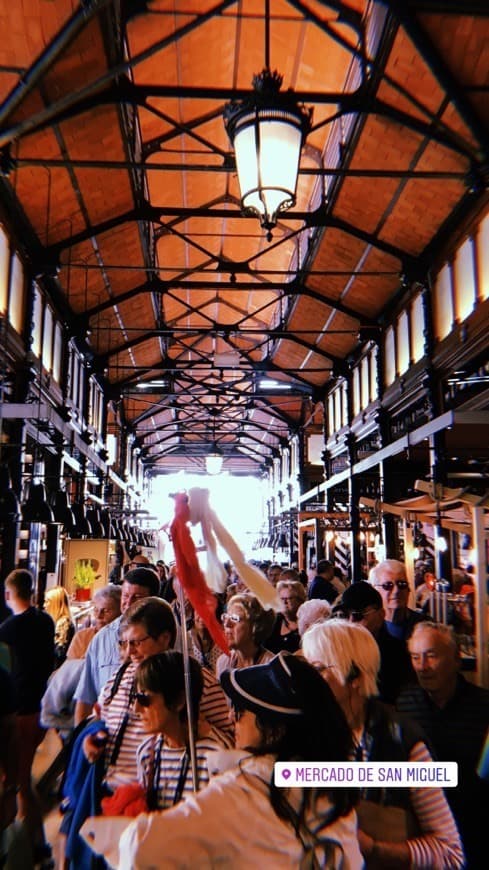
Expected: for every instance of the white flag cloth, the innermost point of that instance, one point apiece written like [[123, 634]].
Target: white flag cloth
[[212, 529]]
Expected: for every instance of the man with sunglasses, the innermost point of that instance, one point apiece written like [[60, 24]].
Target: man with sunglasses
[[360, 602], [390, 579]]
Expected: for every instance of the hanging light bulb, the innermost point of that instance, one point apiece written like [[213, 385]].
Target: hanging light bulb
[[214, 460], [267, 131]]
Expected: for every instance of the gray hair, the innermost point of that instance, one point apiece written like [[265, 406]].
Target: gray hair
[[310, 612], [350, 648], [375, 573], [261, 620], [445, 631], [109, 593]]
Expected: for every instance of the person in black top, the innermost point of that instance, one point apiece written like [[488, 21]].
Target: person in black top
[[29, 634], [322, 585], [8, 755], [285, 633], [362, 603], [454, 715]]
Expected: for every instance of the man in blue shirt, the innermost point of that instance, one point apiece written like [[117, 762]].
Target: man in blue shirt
[[103, 654]]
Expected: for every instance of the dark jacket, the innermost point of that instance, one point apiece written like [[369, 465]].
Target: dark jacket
[[388, 737], [457, 732], [277, 641], [323, 589], [395, 666], [30, 638], [82, 791]]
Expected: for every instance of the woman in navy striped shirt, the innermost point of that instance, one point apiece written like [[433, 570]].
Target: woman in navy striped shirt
[[163, 759]]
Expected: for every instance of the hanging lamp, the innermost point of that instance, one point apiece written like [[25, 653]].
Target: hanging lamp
[[267, 131], [214, 460]]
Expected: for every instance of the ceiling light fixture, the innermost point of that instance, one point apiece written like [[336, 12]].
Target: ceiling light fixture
[[214, 460], [147, 385], [215, 457], [267, 131], [273, 385]]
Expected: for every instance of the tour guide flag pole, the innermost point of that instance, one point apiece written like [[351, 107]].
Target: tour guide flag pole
[[195, 508], [192, 725], [189, 572]]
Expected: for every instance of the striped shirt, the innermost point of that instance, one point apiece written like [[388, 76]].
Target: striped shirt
[[167, 770], [119, 714], [438, 847], [205, 659], [229, 663]]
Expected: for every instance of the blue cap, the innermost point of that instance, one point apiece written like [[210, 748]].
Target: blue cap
[[268, 690]]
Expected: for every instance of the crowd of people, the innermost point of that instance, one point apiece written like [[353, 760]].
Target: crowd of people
[[162, 726]]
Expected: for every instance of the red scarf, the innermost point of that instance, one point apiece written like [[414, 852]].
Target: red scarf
[[189, 572]]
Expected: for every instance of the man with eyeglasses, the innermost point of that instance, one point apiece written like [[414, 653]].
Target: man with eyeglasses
[[362, 603], [103, 654], [390, 579]]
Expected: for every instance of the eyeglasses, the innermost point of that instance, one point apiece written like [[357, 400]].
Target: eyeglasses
[[288, 600], [143, 699], [231, 618], [358, 615], [388, 586], [133, 644]]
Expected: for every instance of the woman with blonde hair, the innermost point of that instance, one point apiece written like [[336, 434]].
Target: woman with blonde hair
[[57, 604], [397, 827]]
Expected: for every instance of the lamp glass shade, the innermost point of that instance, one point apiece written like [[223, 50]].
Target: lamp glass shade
[[267, 145], [213, 463]]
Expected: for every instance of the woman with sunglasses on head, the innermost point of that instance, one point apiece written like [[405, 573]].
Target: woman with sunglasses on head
[[163, 759], [242, 820], [390, 579], [246, 627], [398, 827]]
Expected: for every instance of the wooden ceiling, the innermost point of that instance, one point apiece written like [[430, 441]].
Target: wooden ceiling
[[114, 152]]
